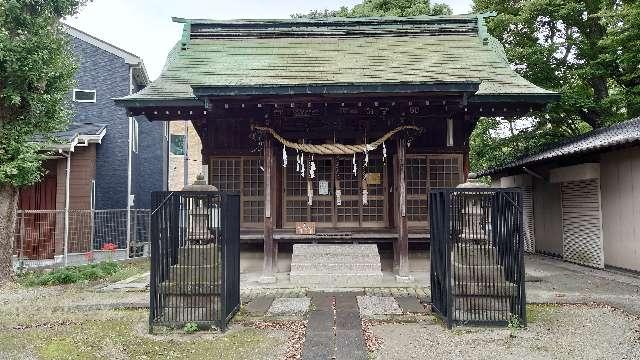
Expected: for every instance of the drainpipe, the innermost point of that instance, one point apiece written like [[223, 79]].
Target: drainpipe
[[67, 186], [129, 165]]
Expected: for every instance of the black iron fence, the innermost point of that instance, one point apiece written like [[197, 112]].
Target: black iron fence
[[195, 258], [477, 256]]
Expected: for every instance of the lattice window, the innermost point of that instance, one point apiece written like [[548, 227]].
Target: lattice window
[[225, 174], [252, 177], [444, 171], [297, 210], [426, 172], [417, 189], [242, 174], [348, 212], [374, 210]]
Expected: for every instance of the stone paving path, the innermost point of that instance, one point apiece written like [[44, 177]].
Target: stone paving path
[[334, 328]]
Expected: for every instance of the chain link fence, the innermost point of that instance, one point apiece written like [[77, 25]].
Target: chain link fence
[[51, 237]]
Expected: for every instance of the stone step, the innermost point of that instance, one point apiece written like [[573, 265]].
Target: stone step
[[481, 315], [200, 274], [484, 289], [335, 257], [345, 279], [192, 301], [335, 268], [198, 254], [188, 288], [343, 264], [492, 303], [336, 249], [477, 273], [468, 254]]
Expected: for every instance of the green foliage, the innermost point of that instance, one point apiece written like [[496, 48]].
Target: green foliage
[[514, 325], [69, 274], [382, 8], [36, 73], [589, 52], [191, 327]]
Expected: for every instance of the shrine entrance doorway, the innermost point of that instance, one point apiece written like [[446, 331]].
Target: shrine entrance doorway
[[341, 194]]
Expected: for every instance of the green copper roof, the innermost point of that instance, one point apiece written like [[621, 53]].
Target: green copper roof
[[248, 57]]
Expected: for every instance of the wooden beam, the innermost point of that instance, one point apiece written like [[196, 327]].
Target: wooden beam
[[270, 251], [401, 223]]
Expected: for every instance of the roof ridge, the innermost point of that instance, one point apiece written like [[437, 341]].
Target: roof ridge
[[322, 21], [527, 158]]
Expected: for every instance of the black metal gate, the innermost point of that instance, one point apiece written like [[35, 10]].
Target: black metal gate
[[477, 256], [195, 258]]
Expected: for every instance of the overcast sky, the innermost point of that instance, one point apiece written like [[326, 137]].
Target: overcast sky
[[144, 27]]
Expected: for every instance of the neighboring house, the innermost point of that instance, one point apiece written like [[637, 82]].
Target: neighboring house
[[106, 72], [185, 155], [584, 197], [113, 161]]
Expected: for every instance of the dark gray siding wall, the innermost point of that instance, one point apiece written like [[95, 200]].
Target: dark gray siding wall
[[149, 165], [109, 75]]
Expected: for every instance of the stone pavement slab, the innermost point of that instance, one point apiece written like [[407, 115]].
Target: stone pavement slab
[[259, 306], [378, 305], [348, 320], [289, 306], [318, 345], [410, 304], [350, 345]]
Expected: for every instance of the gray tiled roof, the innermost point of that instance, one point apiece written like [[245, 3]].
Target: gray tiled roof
[[624, 133], [237, 57], [74, 130]]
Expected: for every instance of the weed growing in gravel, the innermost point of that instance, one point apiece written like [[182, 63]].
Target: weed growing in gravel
[[191, 327], [514, 325]]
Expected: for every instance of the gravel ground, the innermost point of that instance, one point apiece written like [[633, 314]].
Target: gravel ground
[[556, 332], [289, 306], [378, 305]]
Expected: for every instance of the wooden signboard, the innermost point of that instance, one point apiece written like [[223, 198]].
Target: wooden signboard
[[374, 179], [305, 228]]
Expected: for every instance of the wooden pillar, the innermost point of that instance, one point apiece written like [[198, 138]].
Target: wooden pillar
[[270, 249], [401, 213]]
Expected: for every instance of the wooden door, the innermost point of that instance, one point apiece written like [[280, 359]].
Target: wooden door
[[332, 174]]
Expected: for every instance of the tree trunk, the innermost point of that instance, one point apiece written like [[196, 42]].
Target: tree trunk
[[8, 207]]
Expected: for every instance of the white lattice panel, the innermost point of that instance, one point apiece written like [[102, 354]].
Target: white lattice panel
[[582, 222]]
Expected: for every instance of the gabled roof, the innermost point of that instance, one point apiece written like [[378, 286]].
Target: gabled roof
[[624, 133], [140, 71], [76, 134], [338, 55]]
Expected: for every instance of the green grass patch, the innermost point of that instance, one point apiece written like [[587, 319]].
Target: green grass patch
[[70, 274], [537, 312], [125, 336]]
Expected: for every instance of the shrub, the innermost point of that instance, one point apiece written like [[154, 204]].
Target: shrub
[[191, 327], [70, 274]]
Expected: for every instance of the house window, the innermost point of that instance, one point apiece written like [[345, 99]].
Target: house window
[[177, 146], [85, 96]]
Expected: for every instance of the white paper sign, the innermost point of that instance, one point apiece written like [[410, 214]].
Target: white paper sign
[[323, 187]]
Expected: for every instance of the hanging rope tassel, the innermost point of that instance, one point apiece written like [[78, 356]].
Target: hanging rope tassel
[[355, 169], [312, 168], [284, 156], [384, 152]]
